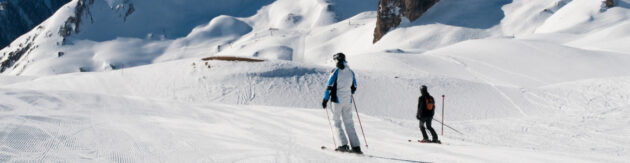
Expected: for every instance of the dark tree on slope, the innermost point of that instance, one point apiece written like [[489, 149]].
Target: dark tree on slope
[[609, 3], [20, 16], [390, 13]]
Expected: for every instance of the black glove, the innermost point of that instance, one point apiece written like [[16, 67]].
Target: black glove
[[324, 103], [353, 89]]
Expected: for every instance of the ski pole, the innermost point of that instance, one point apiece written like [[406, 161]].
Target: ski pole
[[448, 126], [357, 110], [331, 130], [443, 114]]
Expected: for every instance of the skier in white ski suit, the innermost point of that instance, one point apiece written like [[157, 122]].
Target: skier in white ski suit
[[341, 85]]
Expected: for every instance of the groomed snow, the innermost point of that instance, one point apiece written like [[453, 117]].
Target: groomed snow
[[78, 127]]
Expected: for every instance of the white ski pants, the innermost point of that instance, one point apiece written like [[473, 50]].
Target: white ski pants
[[342, 114]]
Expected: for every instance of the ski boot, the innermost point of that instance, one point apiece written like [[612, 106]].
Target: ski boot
[[343, 148], [425, 141], [436, 141], [356, 150]]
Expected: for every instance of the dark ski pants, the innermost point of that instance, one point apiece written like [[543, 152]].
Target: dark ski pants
[[427, 121]]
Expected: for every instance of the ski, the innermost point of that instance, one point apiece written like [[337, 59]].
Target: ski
[[420, 141], [327, 149]]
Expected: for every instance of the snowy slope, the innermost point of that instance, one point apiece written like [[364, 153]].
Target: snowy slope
[[78, 127], [522, 83], [553, 118]]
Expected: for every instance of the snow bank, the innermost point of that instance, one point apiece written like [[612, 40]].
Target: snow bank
[[574, 13], [207, 39], [280, 52]]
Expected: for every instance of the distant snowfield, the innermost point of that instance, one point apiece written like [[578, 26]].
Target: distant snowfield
[[522, 85]]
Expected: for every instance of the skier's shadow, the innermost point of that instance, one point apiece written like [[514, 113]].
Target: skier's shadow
[[396, 159]]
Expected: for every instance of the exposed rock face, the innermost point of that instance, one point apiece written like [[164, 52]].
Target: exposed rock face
[[19, 17], [390, 13], [73, 22], [83, 10], [12, 57]]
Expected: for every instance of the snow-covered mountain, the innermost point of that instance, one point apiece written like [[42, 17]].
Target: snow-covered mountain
[[86, 21], [124, 81], [18, 17]]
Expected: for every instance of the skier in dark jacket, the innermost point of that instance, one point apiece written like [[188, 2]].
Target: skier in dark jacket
[[426, 109]]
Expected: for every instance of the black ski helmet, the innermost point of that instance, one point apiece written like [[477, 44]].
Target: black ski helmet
[[423, 89], [339, 57]]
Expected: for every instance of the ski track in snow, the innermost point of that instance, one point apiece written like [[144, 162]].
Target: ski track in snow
[[486, 80]]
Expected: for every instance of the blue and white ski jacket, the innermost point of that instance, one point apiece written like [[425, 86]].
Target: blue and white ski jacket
[[340, 85]]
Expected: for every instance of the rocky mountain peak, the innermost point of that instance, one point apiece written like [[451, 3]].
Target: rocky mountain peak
[[391, 12]]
